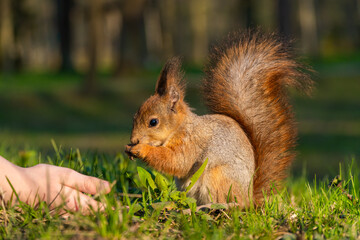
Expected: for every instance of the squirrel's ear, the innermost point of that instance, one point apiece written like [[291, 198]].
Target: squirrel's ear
[[169, 80], [174, 97]]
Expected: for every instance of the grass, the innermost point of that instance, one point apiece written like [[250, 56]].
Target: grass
[[37, 107], [314, 210]]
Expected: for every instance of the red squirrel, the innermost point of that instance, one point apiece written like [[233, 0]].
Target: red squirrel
[[250, 135]]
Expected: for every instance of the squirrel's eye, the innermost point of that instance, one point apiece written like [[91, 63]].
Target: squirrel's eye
[[153, 122]]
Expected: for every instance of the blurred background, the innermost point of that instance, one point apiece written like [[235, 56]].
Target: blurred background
[[77, 70]]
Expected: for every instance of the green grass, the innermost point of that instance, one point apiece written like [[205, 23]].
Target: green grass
[[314, 210], [37, 107]]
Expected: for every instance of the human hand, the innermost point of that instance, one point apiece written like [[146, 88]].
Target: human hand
[[57, 186]]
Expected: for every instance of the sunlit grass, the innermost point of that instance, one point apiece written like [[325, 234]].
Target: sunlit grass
[[141, 205], [37, 107]]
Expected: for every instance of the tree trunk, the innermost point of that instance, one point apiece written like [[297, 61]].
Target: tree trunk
[[284, 17], [247, 13], [198, 13], [308, 25], [352, 22], [90, 85], [153, 31], [132, 51], [64, 27], [7, 39], [168, 13]]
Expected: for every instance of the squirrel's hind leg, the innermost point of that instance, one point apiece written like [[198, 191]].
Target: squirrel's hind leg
[[223, 189]]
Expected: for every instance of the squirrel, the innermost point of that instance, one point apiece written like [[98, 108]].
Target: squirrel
[[249, 137]]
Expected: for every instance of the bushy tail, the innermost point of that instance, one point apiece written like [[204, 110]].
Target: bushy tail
[[245, 80]]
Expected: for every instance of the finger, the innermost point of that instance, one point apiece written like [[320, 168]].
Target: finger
[[74, 201], [78, 201], [86, 184]]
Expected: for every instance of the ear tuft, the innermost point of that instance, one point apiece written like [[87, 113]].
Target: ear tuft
[[170, 78]]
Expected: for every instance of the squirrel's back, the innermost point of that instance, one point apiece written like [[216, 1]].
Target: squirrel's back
[[245, 80]]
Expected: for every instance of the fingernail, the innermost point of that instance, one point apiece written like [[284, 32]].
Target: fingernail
[[106, 184]]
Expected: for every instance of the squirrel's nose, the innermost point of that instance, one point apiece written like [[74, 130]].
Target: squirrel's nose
[[134, 140]]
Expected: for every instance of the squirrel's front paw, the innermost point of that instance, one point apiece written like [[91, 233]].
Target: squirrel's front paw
[[128, 151], [136, 151]]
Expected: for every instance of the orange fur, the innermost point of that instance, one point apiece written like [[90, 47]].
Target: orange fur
[[261, 106], [219, 183], [161, 158]]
